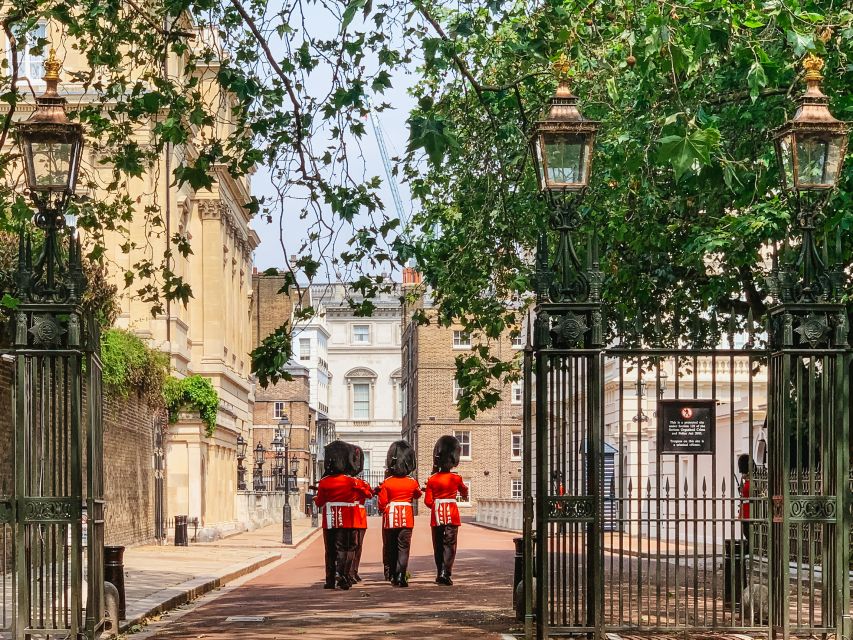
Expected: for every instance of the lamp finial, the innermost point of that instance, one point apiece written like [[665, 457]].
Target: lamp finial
[[813, 66], [52, 66], [561, 68]]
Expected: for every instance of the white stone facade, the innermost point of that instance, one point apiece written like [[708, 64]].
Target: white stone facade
[[364, 370]]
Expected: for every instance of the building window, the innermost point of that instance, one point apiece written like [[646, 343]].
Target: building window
[[517, 393], [467, 482], [461, 340], [515, 448], [403, 401], [464, 438], [516, 492], [30, 53], [361, 401], [304, 348], [517, 342], [457, 391], [278, 410], [361, 333]]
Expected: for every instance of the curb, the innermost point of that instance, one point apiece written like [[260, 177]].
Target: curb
[[190, 590], [306, 538]]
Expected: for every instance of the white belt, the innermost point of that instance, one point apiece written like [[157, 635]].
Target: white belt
[[391, 506], [437, 504], [330, 519]]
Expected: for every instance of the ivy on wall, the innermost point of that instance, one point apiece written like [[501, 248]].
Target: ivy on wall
[[130, 365], [193, 392]]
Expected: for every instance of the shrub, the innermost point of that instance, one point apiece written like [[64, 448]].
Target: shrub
[[194, 392]]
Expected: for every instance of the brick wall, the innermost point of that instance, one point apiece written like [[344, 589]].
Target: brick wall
[[271, 308], [429, 370], [128, 471]]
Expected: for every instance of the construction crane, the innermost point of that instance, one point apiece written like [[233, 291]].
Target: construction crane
[[386, 161]]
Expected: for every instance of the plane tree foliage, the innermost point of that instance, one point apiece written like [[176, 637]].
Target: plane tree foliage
[[684, 194]]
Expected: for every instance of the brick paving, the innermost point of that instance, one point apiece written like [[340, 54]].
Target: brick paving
[[291, 598], [159, 577]]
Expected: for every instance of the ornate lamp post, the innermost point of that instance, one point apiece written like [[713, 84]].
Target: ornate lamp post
[[810, 149], [568, 316], [312, 450], [56, 346], [242, 445], [809, 324], [287, 516], [278, 464], [563, 142], [258, 480]]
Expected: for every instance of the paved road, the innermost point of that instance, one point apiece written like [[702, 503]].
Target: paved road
[[295, 605]]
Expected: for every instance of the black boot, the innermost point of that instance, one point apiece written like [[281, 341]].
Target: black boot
[[329, 585], [387, 574], [343, 583], [395, 579], [402, 581], [444, 578]]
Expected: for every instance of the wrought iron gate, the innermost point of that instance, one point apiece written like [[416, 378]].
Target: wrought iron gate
[[738, 522]]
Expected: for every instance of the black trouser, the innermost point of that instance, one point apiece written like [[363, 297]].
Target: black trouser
[[444, 547], [357, 542], [397, 543], [339, 544], [386, 555]]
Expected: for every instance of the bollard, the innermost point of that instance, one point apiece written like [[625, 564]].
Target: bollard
[[181, 536], [733, 555], [518, 575], [114, 574]]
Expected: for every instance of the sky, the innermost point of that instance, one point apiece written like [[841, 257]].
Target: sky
[[395, 130]]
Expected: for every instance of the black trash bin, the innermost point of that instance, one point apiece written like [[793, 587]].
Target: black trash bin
[[734, 572], [181, 536], [114, 574]]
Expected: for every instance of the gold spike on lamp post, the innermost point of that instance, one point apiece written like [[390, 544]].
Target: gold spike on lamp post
[[810, 148]]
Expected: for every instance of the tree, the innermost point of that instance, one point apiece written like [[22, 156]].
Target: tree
[[685, 191]]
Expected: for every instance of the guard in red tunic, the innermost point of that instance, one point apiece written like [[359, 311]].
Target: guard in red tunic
[[441, 491], [338, 495], [396, 495], [354, 468]]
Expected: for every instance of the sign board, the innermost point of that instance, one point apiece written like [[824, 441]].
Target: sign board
[[686, 427]]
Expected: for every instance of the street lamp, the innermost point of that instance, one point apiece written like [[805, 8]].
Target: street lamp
[[563, 140], [260, 452], [662, 379], [811, 147], [287, 517], [51, 146], [242, 445], [278, 465], [810, 150]]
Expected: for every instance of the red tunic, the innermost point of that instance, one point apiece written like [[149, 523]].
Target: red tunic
[[340, 495], [360, 520], [744, 506], [395, 502], [441, 491]]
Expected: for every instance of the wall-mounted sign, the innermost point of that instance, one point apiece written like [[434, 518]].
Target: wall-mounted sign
[[686, 427]]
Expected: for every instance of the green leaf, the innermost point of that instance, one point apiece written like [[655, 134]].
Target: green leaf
[[684, 152], [756, 79]]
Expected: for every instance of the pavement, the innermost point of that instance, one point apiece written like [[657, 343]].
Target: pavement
[[287, 600], [159, 578]]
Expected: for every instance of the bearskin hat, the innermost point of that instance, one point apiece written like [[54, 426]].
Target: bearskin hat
[[337, 458], [446, 453], [355, 463], [401, 459]]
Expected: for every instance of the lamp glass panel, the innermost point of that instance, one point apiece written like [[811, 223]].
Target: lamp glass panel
[[786, 159], [565, 159], [51, 165], [818, 159]]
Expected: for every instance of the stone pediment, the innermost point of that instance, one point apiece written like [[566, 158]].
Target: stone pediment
[[361, 372]]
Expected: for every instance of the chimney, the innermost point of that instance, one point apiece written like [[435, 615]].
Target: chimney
[[254, 271], [411, 277]]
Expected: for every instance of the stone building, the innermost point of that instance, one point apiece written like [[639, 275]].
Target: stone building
[[365, 392], [491, 443], [210, 335]]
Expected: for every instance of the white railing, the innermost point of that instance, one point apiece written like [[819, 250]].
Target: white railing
[[500, 513]]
